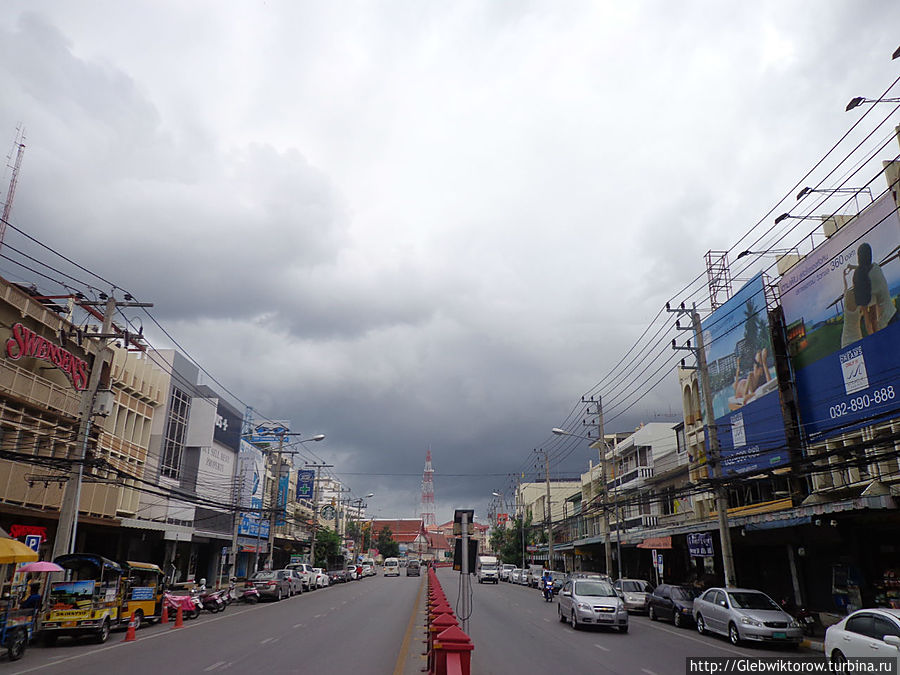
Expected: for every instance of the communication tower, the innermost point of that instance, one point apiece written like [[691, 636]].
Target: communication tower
[[428, 493]]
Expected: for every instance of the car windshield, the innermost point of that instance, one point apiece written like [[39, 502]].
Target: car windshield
[[684, 593], [263, 575], [635, 586], [594, 589], [752, 601]]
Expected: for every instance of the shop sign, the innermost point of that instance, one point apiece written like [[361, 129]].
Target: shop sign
[[26, 343], [16, 531], [700, 545]]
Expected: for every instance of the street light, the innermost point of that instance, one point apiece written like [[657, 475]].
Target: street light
[[850, 190], [357, 540], [776, 251], [857, 101], [603, 463]]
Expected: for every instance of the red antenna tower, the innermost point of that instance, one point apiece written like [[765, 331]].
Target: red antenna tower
[[13, 180], [428, 493]]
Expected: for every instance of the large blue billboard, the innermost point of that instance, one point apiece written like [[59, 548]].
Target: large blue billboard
[[746, 403], [843, 326]]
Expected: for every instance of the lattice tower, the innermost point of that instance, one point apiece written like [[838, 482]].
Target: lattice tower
[[428, 493]]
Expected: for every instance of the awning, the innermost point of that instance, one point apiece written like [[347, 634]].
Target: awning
[[656, 542]]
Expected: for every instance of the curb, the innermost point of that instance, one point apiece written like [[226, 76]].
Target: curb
[[813, 645]]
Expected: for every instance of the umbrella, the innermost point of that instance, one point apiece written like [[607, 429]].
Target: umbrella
[[40, 566], [12, 551]]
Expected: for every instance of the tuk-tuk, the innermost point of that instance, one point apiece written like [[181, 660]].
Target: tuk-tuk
[[16, 623], [142, 594], [88, 602]]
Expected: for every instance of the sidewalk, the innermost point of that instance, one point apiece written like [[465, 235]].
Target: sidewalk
[[415, 653], [815, 644]]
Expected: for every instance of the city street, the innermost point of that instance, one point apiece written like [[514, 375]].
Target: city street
[[515, 630], [354, 627]]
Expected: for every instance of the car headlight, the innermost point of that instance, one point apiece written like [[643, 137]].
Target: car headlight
[[794, 623], [747, 621], [583, 605]]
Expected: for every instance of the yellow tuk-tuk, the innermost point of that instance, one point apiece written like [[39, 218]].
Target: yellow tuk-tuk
[[16, 622], [143, 593], [88, 602]]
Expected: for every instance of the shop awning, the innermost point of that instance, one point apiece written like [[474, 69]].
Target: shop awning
[[656, 542]]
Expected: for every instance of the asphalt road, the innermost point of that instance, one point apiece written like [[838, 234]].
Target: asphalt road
[[516, 631], [357, 627]]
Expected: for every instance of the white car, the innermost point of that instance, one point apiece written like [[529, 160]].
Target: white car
[[321, 577], [505, 570], [306, 571], [865, 633], [391, 567]]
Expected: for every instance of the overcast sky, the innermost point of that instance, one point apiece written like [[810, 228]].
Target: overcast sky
[[414, 225]]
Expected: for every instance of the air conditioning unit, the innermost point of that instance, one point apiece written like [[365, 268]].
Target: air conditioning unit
[[103, 402]]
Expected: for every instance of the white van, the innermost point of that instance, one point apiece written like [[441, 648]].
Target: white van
[[391, 567]]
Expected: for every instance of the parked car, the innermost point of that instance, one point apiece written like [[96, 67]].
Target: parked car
[[296, 582], [745, 614], [306, 571], [352, 573], [368, 570], [321, 577], [505, 570], [514, 575], [674, 603], [591, 601], [590, 575], [338, 576], [274, 584], [864, 633], [533, 575], [635, 593], [413, 568]]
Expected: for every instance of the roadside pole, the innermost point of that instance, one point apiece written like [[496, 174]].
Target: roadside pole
[[315, 509], [273, 493]]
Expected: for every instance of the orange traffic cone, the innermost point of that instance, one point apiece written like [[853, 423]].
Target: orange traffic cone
[[130, 636], [165, 613], [179, 618]]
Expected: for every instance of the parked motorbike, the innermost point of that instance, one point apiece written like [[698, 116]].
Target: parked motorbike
[[190, 604], [249, 595], [212, 601], [809, 621]]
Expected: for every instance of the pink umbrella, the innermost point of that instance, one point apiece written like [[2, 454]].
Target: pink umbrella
[[40, 566]]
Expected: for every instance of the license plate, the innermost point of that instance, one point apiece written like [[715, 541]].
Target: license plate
[[69, 624], [779, 636]]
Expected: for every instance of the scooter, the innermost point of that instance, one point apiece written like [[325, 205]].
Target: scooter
[[548, 590], [212, 601], [249, 595], [190, 604]]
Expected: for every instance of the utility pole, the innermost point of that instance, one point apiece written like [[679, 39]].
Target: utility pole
[[549, 515], [315, 523], [67, 527], [607, 548], [273, 493], [709, 427]]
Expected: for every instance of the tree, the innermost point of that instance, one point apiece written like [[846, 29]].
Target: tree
[[508, 541], [328, 545], [386, 545]]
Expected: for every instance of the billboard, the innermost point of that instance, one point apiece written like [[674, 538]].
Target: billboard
[[269, 431], [843, 327], [305, 481], [746, 403], [252, 473]]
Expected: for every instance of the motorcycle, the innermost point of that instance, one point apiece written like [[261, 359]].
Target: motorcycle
[[809, 621], [212, 601], [548, 590], [249, 595], [190, 604]]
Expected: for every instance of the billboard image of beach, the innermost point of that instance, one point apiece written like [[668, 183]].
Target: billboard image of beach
[[843, 326], [737, 338]]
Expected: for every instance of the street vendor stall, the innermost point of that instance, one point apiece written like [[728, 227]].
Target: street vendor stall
[[16, 622]]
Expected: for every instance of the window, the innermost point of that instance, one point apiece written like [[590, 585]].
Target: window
[[176, 430], [861, 624], [885, 627]]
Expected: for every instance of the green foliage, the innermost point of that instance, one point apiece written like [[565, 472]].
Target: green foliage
[[508, 542], [328, 544], [386, 545]]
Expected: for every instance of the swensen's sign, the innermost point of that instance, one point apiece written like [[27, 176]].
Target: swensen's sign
[[25, 342]]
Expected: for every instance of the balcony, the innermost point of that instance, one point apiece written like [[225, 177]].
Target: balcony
[[627, 479]]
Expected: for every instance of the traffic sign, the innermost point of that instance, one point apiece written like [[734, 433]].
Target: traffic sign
[[33, 541]]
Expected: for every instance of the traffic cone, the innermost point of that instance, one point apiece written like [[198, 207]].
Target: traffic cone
[[179, 618], [165, 613], [130, 636]]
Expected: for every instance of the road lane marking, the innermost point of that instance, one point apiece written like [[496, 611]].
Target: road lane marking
[[547, 620], [214, 666], [298, 625], [683, 634], [400, 666], [649, 672], [606, 649], [317, 616]]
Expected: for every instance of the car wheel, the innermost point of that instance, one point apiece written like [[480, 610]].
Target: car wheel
[[733, 634], [573, 621], [701, 625], [623, 629], [651, 614], [102, 634], [677, 620], [138, 619], [278, 595], [562, 618], [838, 658]]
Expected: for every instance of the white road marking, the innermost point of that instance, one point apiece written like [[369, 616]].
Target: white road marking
[[686, 636], [649, 672], [214, 666], [270, 639], [317, 616], [547, 620], [298, 625], [606, 649]]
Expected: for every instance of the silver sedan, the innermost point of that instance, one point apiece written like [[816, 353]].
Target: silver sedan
[[745, 614], [589, 601]]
